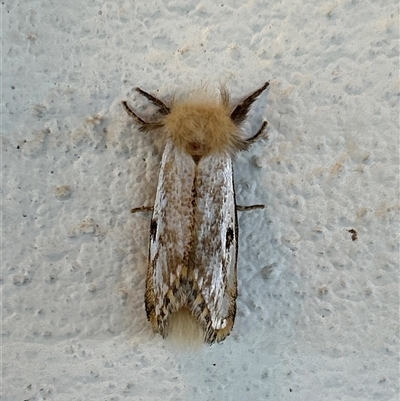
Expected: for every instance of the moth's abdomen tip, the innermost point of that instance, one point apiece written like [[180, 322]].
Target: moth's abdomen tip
[[184, 331]]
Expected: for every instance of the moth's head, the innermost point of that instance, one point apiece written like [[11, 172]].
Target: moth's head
[[202, 125]]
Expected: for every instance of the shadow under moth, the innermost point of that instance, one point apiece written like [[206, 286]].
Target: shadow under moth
[[191, 283]]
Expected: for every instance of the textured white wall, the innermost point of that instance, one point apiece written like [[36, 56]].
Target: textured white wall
[[317, 312]]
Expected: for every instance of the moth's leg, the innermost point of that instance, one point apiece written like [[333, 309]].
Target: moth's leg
[[144, 125], [240, 112], [142, 209], [251, 207], [162, 107]]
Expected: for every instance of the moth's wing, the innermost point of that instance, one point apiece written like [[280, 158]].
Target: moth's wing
[[193, 244], [170, 235], [215, 251]]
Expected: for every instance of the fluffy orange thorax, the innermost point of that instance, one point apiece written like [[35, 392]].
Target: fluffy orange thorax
[[201, 127]]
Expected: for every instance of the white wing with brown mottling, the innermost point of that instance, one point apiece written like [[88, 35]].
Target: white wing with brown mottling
[[216, 243], [193, 244], [170, 234]]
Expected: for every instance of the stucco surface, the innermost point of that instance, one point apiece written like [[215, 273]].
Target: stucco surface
[[318, 267]]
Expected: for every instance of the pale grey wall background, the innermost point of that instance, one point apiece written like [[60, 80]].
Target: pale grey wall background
[[317, 312]]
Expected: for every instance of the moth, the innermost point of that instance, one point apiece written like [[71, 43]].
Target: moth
[[191, 283]]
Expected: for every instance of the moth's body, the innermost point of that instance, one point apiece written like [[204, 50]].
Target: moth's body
[[191, 280]]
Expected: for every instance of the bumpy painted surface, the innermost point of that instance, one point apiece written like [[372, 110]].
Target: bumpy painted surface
[[317, 312]]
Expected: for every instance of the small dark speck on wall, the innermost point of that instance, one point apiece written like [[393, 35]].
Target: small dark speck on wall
[[353, 233]]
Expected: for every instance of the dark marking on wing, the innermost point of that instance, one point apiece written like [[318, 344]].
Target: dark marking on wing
[[230, 236], [153, 230]]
